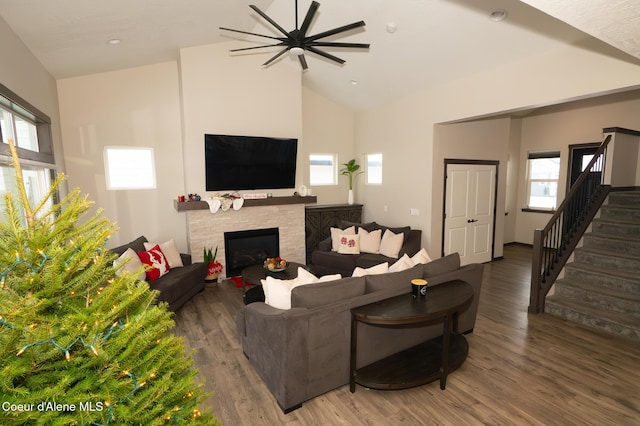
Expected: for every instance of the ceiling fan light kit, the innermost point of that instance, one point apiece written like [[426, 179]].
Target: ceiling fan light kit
[[297, 42]]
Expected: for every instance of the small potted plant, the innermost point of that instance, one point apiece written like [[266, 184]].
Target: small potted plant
[[350, 169], [213, 267]]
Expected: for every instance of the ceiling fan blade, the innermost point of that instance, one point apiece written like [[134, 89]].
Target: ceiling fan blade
[[271, 21], [277, 55], [339, 44], [253, 34], [335, 31], [256, 47], [303, 62], [325, 54], [307, 19]]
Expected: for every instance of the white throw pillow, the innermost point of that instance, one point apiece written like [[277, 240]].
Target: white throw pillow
[[337, 232], [420, 257], [391, 244], [370, 241], [170, 251], [349, 244], [277, 293], [327, 278], [382, 268], [130, 263], [401, 264]]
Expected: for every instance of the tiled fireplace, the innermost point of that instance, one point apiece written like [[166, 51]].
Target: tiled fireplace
[[206, 229]]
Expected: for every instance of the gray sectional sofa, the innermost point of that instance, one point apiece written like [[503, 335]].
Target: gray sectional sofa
[[179, 285], [304, 352], [325, 262]]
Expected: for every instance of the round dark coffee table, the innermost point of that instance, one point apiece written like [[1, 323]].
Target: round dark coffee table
[[255, 273]]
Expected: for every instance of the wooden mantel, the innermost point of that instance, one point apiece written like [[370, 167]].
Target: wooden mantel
[[270, 201]]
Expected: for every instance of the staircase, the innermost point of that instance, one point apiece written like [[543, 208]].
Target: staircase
[[601, 287]]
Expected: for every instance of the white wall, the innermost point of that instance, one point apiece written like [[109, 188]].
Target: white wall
[[21, 72], [234, 95], [131, 107], [327, 128], [403, 130], [555, 128]]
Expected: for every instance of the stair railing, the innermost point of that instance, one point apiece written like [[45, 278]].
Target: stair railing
[[553, 245]]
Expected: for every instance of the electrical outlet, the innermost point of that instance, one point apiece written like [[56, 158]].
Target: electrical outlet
[[386, 208], [414, 212]]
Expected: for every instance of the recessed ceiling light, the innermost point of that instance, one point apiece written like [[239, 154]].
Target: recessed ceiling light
[[498, 15], [354, 82], [114, 41]]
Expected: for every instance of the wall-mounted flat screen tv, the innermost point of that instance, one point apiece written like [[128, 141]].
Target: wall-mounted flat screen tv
[[234, 163]]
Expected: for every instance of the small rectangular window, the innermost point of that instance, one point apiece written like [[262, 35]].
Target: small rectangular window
[[543, 172], [374, 169], [322, 169], [129, 168]]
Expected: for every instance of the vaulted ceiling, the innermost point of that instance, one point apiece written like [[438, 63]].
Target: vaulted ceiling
[[435, 41]]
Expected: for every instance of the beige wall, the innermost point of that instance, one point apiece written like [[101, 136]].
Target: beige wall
[[233, 95], [132, 107], [403, 130], [487, 139], [327, 128], [21, 72], [555, 128]]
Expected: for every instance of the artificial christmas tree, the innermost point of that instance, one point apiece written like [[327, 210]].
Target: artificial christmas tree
[[80, 344]]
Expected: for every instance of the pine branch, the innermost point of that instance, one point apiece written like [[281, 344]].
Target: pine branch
[[20, 183]]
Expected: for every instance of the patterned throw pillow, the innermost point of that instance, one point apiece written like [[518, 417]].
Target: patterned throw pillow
[[155, 261], [349, 244]]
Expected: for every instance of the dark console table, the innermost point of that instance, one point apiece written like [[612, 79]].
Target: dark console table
[[423, 363], [320, 219]]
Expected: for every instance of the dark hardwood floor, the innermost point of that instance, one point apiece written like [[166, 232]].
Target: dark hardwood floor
[[521, 369]]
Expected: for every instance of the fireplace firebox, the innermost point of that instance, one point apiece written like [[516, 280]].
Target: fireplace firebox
[[251, 247]]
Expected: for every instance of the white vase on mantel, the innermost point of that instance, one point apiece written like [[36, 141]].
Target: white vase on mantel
[[350, 196]]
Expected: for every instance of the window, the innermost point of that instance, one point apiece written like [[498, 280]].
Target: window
[[543, 171], [374, 169], [129, 168], [30, 129], [322, 169]]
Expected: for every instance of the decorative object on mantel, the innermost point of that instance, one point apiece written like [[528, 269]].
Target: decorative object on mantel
[[213, 267], [194, 197], [350, 169], [225, 202], [297, 42]]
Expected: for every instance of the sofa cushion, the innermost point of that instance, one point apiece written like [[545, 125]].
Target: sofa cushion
[[402, 264], [337, 233], [420, 257], [136, 245], [393, 280], [156, 262], [180, 284], [349, 244], [370, 226], [381, 268], [370, 241], [391, 244], [170, 251], [129, 263], [443, 265], [311, 296]]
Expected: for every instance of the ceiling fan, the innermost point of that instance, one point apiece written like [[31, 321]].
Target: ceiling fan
[[297, 42]]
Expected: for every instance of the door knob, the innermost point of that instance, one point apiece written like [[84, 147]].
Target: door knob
[[472, 220]]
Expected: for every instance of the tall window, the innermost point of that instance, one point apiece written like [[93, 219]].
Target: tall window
[[374, 169], [543, 171], [322, 169], [30, 130]]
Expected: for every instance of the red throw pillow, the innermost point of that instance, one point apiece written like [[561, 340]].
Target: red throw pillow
[[156, 262]]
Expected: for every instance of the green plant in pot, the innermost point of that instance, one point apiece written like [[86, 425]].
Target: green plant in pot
[[213, 267], [351, 169]]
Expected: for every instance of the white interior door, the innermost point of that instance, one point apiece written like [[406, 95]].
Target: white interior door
[[469, 211]]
